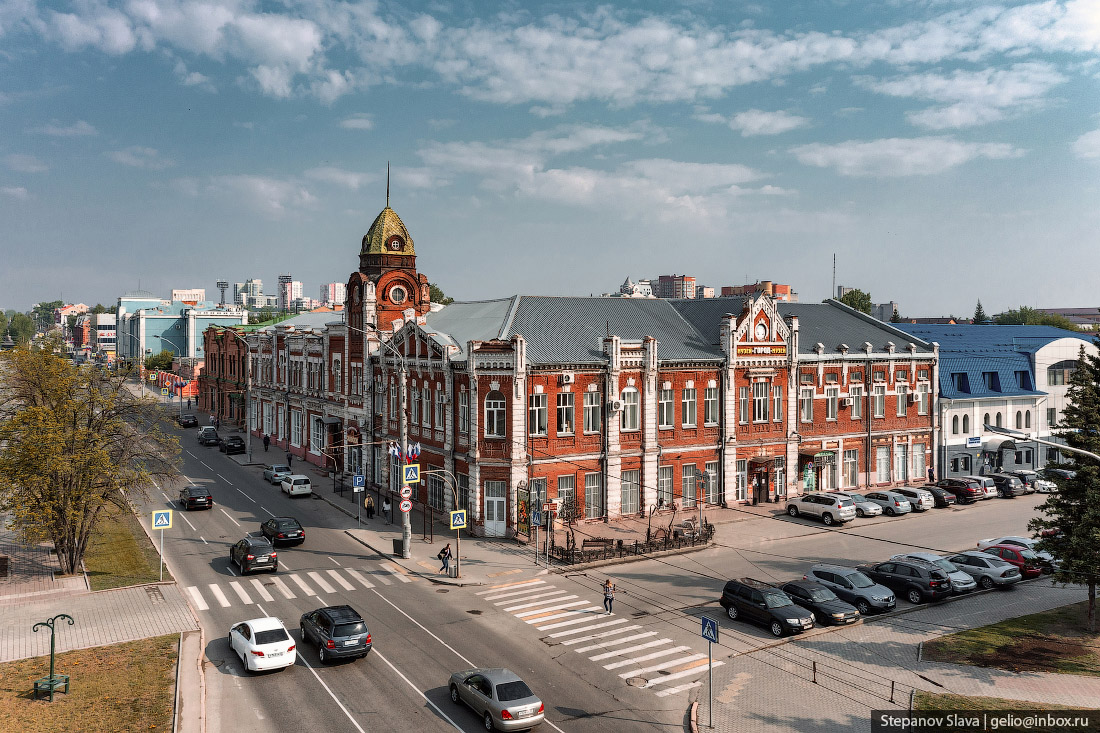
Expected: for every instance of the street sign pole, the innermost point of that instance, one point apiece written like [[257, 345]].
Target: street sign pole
[[710, 633]]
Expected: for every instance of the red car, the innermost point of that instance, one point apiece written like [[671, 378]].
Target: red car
[[1030, 564]]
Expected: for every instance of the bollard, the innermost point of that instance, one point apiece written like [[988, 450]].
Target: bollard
[[815, 672], [891, 690]]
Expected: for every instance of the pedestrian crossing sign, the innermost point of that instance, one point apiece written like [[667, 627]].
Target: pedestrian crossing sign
[[164, 391], [412, 473], [458, 519], [162, 519], [710, 629]]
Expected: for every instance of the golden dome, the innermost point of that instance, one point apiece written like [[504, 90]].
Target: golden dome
[[387, 235]]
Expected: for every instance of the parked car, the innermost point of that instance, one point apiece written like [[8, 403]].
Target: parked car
[[187, 421], [1015, 541], [987, 570], [987, 485], [338, 631], [1052, 474], [1008, 487], [254, 553], [961, 582], [762, 603], [208, 435], [917, 580], [831, 508], [196, 497], [942, 497], [296, 484], [232, 444], [919, 499], [892, 504], [822, 602], [284, 530], [853, 586], [499, 697], [864, 507], [965, 491], [1029, 563], [1034, 482], [262, 644], [276, 472]]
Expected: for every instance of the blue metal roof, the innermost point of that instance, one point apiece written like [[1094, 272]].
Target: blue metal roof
[[1004, 366], [989, 338]]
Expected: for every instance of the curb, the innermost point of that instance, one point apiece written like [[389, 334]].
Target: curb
[[389, 556], [693, 717]]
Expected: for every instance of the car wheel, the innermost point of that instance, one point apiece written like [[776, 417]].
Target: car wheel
[[889, 511], [777, 628], [732, 613], [489, 725], [914, 595], [321, 656], [454, 694], [986, 582], [863, 607], [827, 519], [859, 512], [793, 511]]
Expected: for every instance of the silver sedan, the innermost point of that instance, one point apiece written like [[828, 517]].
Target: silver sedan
[[499, 697], [891, 502], [864, 508]]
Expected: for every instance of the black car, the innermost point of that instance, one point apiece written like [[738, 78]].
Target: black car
[[196, 497], [762, 603], [1008, 487], [826, 607], [254, 553], [232, 444], [943, 497], [208, 436], [915, 580], [338, 631], [188, 421], [966, 492], [285, 530]]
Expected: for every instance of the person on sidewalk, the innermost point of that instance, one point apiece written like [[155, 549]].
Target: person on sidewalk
[[369, 503], [188, 403], [445, 557], [386, 509], [289, 459], [608, 595], [267, 442]]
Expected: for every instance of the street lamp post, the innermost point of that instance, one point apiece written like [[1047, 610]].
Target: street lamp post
[[247, 392], [180, 355], [1020, 434], [141, 381]]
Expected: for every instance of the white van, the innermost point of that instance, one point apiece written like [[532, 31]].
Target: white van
[[986, 483], [297, 485]]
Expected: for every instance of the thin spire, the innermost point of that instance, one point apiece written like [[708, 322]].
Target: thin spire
[[387, 184]]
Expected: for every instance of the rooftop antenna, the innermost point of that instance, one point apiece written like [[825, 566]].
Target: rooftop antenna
[[387, 184], [832, 293]]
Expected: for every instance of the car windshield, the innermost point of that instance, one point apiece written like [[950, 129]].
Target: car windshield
[[822, 594], [845, 502], [513, 691], [858, 497], [859, 580], [301, 481], [279, 469], [271, 636], [1028, 554], [350, 629], [289, 524], [998, 562], [776, 600], [944, 565]]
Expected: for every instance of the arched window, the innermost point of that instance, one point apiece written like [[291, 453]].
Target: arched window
[[1027, 419], [1060, 373], [1019, 419], [985, 420], [494, 415], [998, 419], [629, 418], [966, 424], [955, 425]]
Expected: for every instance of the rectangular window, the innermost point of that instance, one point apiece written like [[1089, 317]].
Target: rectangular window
[[903, 394], [494, 415], [954, 465], [922, 398], [495, 510], [879, 400], [664, 485], [395, 473], [267, 419], [592, 418], [966, 465], [463, 491], [919, 471], [435, 489], [882, 464], [780, 476], [922, 374], [630, 488], [856, 393], [760, 396], [832, 402], [296, 427], [1052, 455], [440, 409], [426, 399], [629, 419], [376, 464], [687, 485], [710, 406], [743, 405], [414, 406], [537, 414], [777, 403], [394, 398], [565, 413], [712, 482], [741, 479], [593, 495], [901, 462], [463, 412], [688, 406], [317, 436], [850, 469], [567, 492], [806, 405], [664, 409], [1052, 417]]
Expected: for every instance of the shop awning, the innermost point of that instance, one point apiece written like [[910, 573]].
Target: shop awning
[[998, 443], [327, 420], [761, 459]]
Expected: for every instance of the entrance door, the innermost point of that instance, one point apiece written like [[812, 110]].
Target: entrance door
[[759, 487], [496, 519]]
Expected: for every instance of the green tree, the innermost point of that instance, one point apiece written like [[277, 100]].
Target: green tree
[[435, 293], [70, 455], [1069, 516], [99, 308], [162, 361], [42, 315], [3, 325], [857, 299], [22, 328], [895, 318], [980, 314], [1026, 316]]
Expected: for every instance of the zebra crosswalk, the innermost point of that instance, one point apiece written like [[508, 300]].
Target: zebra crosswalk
[[639, 655], [288, 586]]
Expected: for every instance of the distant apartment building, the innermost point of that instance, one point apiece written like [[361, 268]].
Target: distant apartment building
[[193, 295], [61, 318], [704, 291], [249, 294], [1087, 319], [674, 287], [333, 293], [148, 324], [304, 305], [289, 291], [778, 292], [640, 289]]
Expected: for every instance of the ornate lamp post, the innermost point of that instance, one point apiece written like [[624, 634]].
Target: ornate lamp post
[[53, 681]]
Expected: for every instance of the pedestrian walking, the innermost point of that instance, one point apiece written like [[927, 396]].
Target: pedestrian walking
[[445, 557], [386, 509], [267, 441], [370, 507], [608, 595], [931, 475], [188, 403], [289, 459]]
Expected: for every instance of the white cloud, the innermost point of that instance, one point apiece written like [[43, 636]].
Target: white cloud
[[79, 128], [899, 157], [1088, 145], [339, 176], [107, 29], [760, 122], [273, 197], [274, 81], [16, 192], [25, 163], [193, 78], [139, 157], [357, 121]]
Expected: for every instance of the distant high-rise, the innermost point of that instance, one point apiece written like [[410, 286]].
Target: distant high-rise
[[333, 293], [289, 290], [192, 295], [675, 286]]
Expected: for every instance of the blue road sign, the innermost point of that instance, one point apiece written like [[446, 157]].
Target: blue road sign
[[710, 629], [458, 519], [411, 473], [358, 480], [536, 517], [162, 519]]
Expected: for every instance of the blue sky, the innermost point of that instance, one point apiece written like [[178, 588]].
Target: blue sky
[[943, 151]]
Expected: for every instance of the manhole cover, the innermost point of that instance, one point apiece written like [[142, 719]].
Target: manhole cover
[[443, 590], [155, 596], [636, 681], [475, 612]]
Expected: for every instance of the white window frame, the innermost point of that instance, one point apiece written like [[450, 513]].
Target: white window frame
[[317, 435], [850, 468], [882, 464], [688, 481], [426, 403], [593, 415], [832, 402], [496, 415], [741, 479], [712, 482], [761, 398], [464, 412], [664, 486], [710, 406], [665, 410], [777, 403], [629, 420], [537, 414], [923, 393], [593, 496], [806, 404], [565, 413], [296, 428], [855, 392], [903, 394], [689, 405], [743, 405], [878, 400], [414, 405], [630, 491], [440, 409], [567, 493]]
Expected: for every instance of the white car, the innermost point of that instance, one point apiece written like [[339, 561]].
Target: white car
[[864, 508], [262, 644], [987, 485], [297, 485]]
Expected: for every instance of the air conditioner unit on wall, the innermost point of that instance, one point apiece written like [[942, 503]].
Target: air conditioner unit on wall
[[849, 401], [912, 397], [567, 378], [615, 405]]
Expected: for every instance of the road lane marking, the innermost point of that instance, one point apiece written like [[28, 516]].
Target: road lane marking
[[647, 657], [229, 567], [192, 455], [497, 595], [564, 614], [537, 603], [241, 593], [321, 600], [423, 628], [223, 478], [261, 590], [582, 629], [204, 463], [528, 598], [197, 598], [510, 585], [681, 688], [613, 642], [321, 582], [184, 518], [282, 588], [246, 495], [665, 665], [302, 584], [334, 560], [397, 572], [382, 576], [581, 621], [266, 509], [548, 609], [231, 519], [219, 595], [407, 682], [165, 496], [203, 540], [355, 574], [285, 566], [635, 648], [695, 669], [337, 577]]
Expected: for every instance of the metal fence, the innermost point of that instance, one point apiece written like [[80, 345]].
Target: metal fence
[[593, 549]]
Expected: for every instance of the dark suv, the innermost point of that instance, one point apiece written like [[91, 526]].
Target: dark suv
[[232, 444], [762, 603], [283, 529], [208, 436], [196, 497], [254, 553], [966, 492], [826, 607], [915, 580], [338, 631], [1008, 487]]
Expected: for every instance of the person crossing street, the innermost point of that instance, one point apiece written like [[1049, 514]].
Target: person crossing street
[[608, 595]]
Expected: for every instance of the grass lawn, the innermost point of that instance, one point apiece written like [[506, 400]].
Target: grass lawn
[[123, 687], [937, 701], [1051, 641], [120, 554]]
